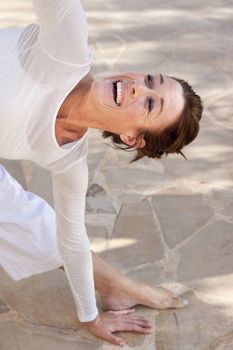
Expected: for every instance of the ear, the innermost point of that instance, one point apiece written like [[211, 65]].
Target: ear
[[130, 141]]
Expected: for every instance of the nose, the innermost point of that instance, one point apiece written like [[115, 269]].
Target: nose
[[138, 89]]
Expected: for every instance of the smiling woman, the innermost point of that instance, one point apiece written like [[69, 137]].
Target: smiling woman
[[152, 114], [174, 135], [48, 101]]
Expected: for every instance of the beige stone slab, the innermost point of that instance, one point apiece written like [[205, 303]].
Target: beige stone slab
[[208, 255], [43, 299], [18, 336], [151, 275], [136, 238], [4, 308], [229, 210], [98, 201], [195, 327], [225, 345], [7, 337], [221, 110], [99, 238], [209, 158], [181, 212], [41, 183], [15, 169], [134, 178]]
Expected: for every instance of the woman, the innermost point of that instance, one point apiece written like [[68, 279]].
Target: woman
[[48, 101]]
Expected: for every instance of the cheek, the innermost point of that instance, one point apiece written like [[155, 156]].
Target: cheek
[[136, 112]]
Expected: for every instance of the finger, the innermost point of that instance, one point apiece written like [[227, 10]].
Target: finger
[[140, 318], [131, 327], [113, 339], [123, 312], [143, 324], [139, 321]]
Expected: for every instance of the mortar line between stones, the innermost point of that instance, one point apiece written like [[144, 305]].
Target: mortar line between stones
[[60, 331], [15, 336], [115, 222], [155, 216], [218, 341], [185, 241], [159, 263]]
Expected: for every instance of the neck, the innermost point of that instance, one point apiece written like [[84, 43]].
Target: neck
[[78, 113], [71, 119]]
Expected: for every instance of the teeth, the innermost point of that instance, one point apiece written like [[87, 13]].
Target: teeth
[[119, 92]]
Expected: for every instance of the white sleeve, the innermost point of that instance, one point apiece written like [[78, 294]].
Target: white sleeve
[[63, 30], [69, 195]]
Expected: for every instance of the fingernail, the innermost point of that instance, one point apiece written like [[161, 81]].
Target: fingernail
[[185, 302], [122, 343]]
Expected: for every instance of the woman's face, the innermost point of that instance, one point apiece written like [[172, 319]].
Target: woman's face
[[133, 102]]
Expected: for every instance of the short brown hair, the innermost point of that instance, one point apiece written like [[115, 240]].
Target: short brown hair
[[173, 138]]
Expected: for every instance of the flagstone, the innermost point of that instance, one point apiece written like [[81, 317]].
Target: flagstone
[[136, 237], [17, 336], [208, 255], [43, 299], [197, 326], [180, 212]]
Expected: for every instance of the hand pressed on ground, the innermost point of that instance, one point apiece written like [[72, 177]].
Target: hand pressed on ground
[[109, 322]]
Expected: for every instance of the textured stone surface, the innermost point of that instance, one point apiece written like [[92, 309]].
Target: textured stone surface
[[133, 178], [15, 169], [38, 179], [208, 254], [221, 110], [227, 344], [3, 307], [42, 299], [180, 212], [97, 200], [229, 211], [136, 237], [209, 162], [152, 275], [17, 336], [99, 238], [199, 326]]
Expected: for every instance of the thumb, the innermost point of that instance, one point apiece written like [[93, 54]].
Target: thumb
[[112, 338]]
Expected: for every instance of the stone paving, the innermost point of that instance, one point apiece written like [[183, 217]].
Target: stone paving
[[166, 222]]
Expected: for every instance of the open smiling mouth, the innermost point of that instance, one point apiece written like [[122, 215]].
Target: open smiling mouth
[[117, 92]]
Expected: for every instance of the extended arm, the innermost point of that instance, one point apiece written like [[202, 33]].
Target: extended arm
[[69, 195], [63, 30]]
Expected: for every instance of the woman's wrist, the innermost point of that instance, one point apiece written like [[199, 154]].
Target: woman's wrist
[[89, 323]]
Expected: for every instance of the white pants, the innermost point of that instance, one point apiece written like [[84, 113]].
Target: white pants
[[28, 243]]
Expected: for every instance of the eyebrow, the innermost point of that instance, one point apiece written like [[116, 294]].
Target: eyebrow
[[161, 79], [161, 105]]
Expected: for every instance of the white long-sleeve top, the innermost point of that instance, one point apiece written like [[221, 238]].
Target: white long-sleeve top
[[39, 65]]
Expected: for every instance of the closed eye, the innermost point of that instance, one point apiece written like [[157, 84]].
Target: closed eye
[[151, 103], [149, 80]]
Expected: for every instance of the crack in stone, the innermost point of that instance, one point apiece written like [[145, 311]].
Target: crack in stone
[[165, 247], [222, 339]]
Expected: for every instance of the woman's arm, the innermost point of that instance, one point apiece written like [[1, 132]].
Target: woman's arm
[[69, 195], [63, 30]]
